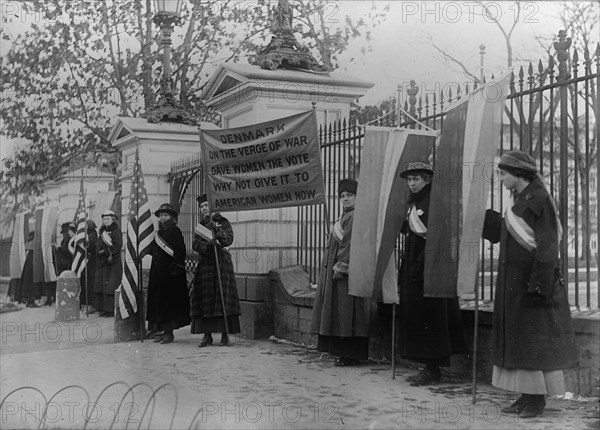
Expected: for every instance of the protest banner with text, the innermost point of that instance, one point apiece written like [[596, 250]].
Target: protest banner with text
[[269, 165]]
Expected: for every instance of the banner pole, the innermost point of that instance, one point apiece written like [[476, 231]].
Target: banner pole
[[221, 290], [86, 244], [138, 260], [393, 340], [475, 330]]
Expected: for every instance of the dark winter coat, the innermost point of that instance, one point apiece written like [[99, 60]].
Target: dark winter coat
[[335, 312], [113, 251], [430, 328], [109, 270], [29, 290], [205, 299], [88, 277], [531, 330], [168, 299], [64, 258]]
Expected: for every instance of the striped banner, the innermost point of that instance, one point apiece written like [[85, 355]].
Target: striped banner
[[79, 258], [381, 204], [17, 249], [459, 192], [140, 235], [46, 219]]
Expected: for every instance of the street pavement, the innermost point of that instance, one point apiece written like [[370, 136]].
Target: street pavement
[[54, 375]]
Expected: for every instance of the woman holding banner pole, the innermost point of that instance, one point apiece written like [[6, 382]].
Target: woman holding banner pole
[[214, 302], [430, 329], [340, 320], [533, 339]]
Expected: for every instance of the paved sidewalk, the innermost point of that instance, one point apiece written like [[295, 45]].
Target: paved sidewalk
[[252, 384]]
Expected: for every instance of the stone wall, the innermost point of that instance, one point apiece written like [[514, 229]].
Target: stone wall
[[292, 308], [256, 303]]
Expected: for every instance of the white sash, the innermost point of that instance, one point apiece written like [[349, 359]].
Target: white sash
[[338, 231], [518, 228], [415, 223], [72, 245], [106, 238], [163, 245]]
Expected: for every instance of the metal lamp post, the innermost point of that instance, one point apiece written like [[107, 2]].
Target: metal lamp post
[[167, 107]]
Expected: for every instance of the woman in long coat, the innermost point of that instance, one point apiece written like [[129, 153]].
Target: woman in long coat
[[533, 338], [29, 291], [109, 266], [205, 297], [88, 277], [168, 299], [341, 321], [64, 257], [430, 327]]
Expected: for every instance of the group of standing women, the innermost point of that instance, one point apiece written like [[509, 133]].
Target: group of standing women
[[103, 270], [28, 291], [533, 338], [170, 304]]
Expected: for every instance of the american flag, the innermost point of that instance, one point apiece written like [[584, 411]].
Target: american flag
[[140, 234], [79, 259]]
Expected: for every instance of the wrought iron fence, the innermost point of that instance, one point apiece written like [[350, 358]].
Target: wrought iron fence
[[551, 112]]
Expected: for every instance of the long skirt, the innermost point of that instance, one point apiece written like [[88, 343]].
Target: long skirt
[[30, 290], [108, 279], [216, 325], [89, 273], [14, 289], [50, 291], [527, 381], [430, 327], [355, 347]]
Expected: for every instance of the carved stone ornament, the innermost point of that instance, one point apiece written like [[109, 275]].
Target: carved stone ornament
[[168, 109], [284, 51]]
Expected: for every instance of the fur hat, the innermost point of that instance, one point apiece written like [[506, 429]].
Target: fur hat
[[348, 185], [167, 208], [201, 199], [108, 212], [515, 161], [417, 167]]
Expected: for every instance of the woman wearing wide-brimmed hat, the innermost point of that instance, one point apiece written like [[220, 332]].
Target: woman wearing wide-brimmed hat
[[109, 266], [341, 321], [533, 339], [168, 299], [206, 307], [430, 328]]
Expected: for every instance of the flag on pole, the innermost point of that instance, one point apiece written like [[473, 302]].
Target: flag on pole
[[140, 234], [463, 169], [79, 258], [381, 207]]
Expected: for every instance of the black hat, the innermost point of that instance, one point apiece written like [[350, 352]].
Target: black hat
[[108, 212], [348, 185], [416, 168], [65, 227], [201, 199], [519, 160], [167, 208]]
